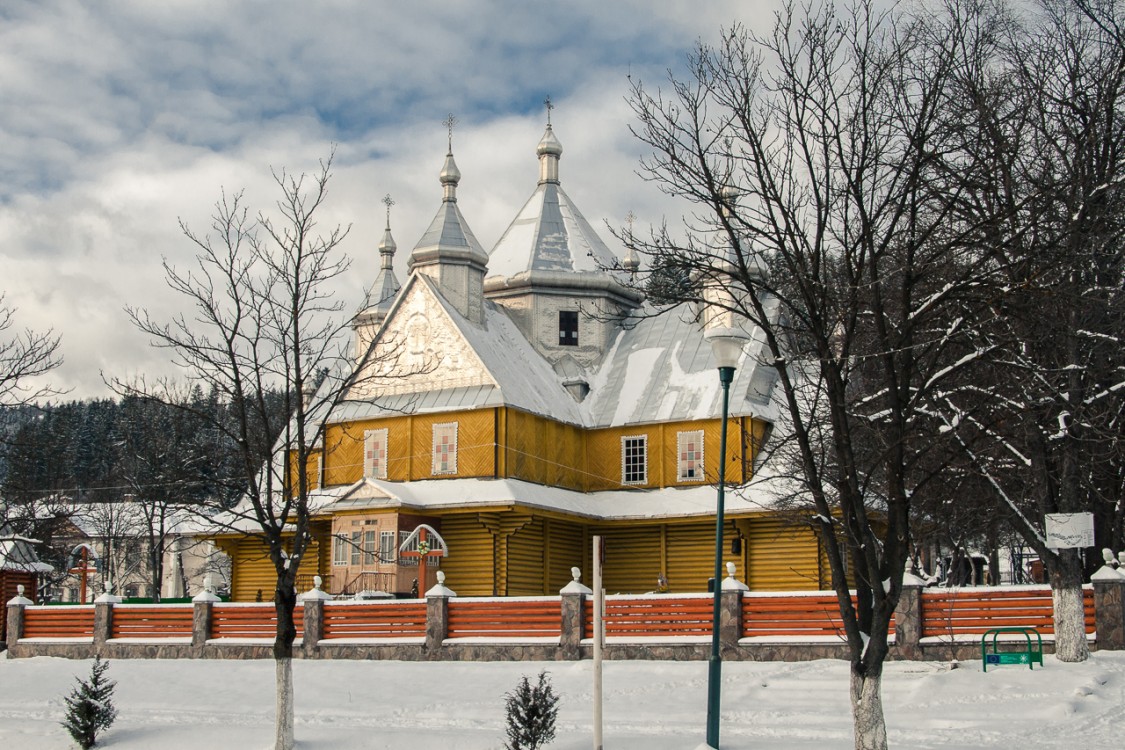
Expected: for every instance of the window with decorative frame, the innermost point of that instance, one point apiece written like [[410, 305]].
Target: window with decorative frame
[[339, 550], [408, 562], [369, 547], [387, 546], [356, 544], [689, 456], [634, 459], [375, 454], [445, 448]]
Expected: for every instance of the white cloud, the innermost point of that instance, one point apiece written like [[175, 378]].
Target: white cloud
[[120, 118]]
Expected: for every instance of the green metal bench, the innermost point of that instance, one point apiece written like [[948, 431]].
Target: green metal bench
[[1030, 655]]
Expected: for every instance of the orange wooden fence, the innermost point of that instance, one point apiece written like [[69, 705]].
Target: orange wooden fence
[[813, 615], [972, 611], [796, 616], [151, 621], [654, 616], [505, 618], [391, 619], [250, 621], [58, 622]]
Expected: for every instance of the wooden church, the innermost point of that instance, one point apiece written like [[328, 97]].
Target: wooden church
[[542, 403]]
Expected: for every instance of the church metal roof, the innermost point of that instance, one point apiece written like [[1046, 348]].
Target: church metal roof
[[550, 233]]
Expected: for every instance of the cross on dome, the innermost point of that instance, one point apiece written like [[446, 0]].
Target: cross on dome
[[388, 202], [449, 122]]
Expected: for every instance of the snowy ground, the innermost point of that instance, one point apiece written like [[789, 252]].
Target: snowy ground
[[221, 705]]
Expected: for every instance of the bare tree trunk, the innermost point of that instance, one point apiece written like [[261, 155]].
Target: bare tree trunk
[[867, 711], [285, 602], [1070, 617], [283, 723]]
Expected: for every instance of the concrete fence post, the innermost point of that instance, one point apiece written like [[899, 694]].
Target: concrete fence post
[[313, 601], [437, 616], [573, 616], [14, 622], [103, 619], [1109, 608], [202, 606], [730, 610], [908, 616]]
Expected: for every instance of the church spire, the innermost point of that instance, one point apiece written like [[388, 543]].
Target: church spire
[[448, 252], [632, 262], [450, 175], [387, 245], [549, 151], [382, 293]]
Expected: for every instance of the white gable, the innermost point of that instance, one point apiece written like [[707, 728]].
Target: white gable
[[420, 349]]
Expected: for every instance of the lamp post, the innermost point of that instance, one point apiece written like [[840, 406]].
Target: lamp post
[[726, 346]]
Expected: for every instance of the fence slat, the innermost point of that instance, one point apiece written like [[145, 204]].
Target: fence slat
[[973, 611], [375, 620], [492, 619], [58, 622]]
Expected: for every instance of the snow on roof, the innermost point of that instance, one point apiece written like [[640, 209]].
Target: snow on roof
[[519, 376], [526, 380], [550, 234], [17, 553], [662, 370], [659, 369], [440, 494], [448, 230]]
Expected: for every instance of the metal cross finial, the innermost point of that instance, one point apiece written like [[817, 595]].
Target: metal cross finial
[[450, 121], [547, 103], [629, 219], [388, 202]]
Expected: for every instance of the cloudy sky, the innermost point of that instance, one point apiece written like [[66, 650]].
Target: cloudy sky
[[119, 118]]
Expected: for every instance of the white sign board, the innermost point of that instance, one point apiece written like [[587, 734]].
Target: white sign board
[[1066, 530]]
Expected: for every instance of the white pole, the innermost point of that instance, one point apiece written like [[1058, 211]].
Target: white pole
[[599, 640]]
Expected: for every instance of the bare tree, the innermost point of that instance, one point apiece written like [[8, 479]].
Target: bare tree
[[116, 530], [817, 162], [160, 461], [1042, 427], [24, 356], [265, 325]]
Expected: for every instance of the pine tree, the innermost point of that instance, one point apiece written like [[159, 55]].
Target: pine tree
[[89, 707], [531, 714]]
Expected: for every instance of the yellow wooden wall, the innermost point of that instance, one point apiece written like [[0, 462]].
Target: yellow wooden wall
[[781, 556], [603, 453], [524, 559], [542, 450], [252, 571], [410, 446], [690, 555], [633, 558], [511, 443], [564, 549], [636, 555], [510, 554], [470, 567], [526, 554]]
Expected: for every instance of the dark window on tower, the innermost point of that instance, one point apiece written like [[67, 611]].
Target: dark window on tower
[[568, 328]]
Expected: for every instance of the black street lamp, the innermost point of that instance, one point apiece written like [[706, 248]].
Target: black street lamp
[[726, 345]]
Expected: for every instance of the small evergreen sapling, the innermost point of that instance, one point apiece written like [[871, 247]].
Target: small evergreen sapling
[[89, 707], [531, 714]]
